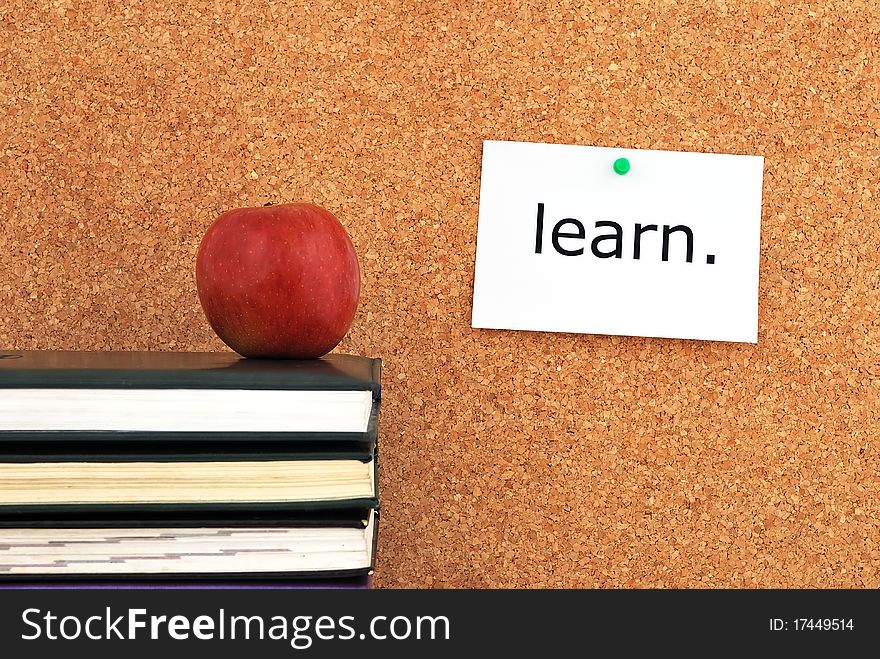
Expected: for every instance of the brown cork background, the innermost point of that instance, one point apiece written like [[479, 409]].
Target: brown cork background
[[509, 459]]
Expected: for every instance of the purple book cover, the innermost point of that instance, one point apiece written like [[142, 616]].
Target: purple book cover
[[358, 582]]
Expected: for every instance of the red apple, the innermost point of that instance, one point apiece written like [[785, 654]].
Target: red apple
[[278, 281]]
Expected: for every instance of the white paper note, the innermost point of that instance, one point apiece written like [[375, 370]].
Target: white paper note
[[669, 249]]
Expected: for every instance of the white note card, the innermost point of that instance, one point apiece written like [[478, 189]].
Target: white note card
[[630, 242]]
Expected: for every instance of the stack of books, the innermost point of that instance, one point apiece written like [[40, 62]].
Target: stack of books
[[149, 467]]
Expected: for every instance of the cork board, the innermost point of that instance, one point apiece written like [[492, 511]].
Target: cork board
[[512, 459]]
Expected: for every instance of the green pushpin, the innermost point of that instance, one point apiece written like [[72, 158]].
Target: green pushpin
[[621, 166]]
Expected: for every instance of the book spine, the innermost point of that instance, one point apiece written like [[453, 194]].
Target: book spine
[[376, 377]]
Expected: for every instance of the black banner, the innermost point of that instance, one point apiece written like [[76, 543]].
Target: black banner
[[271, 622]]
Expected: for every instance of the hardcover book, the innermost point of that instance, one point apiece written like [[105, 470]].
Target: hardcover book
[[182, 546], [122, 395]]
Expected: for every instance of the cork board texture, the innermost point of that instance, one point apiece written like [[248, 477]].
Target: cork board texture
[[509, 459]]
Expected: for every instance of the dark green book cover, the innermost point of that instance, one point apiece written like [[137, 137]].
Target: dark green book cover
[[184, 370]]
